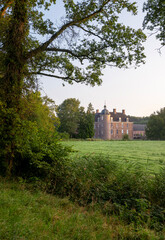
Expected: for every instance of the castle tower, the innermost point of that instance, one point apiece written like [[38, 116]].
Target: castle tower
[[105, 124]]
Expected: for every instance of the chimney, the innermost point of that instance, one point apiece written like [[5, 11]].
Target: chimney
[[123, 111], [114, 110], [97, 110]]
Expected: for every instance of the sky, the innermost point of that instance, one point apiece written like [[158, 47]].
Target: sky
[[139, 91]]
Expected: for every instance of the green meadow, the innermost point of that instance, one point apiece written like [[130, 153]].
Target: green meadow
[[149, 154]]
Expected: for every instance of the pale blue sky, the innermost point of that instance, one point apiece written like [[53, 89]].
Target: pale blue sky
[[139, 91]]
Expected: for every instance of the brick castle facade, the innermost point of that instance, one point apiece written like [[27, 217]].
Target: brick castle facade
[[112, 125]]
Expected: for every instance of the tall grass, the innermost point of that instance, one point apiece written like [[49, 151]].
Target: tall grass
[[32, 215], [125, 190]]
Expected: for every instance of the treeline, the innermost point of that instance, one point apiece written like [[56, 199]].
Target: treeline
[[139, 120]]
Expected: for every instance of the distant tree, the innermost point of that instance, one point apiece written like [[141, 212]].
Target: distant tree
[[155, 18], [156, 126], [90, 109], [68, 113], [86, 123]]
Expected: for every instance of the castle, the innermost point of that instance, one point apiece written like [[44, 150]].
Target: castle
[[112, 125]]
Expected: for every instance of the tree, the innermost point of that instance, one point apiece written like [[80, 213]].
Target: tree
[[69, 113], [86, 123], [89, 37], [156, 126], [38, 151], [155, 18], [74, 120]]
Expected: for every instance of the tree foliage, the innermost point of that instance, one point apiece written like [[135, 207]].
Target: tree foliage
[[90, 33], [156, 126], [155, 18], [38, 152]]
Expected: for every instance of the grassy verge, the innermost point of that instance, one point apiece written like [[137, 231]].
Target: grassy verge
[[29, 214]]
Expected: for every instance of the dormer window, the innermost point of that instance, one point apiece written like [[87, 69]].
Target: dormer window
[[127, 119], [119, 119], [111, 119]]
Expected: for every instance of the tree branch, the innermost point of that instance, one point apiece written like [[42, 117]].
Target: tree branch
[[5, 7], [84, 56], [61, 30], [53, 49], [56, 76], [92, 33]]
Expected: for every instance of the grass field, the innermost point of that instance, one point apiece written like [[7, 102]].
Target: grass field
[[149, 154]]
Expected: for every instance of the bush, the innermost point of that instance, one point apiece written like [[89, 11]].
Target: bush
[[37, 153], [121, 189], [125, 137]]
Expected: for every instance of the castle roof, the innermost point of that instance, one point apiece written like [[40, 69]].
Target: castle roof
[[139, 127], [105, 111], [115, 115]]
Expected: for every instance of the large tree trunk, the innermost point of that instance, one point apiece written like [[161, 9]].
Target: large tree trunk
[[12, 81]]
